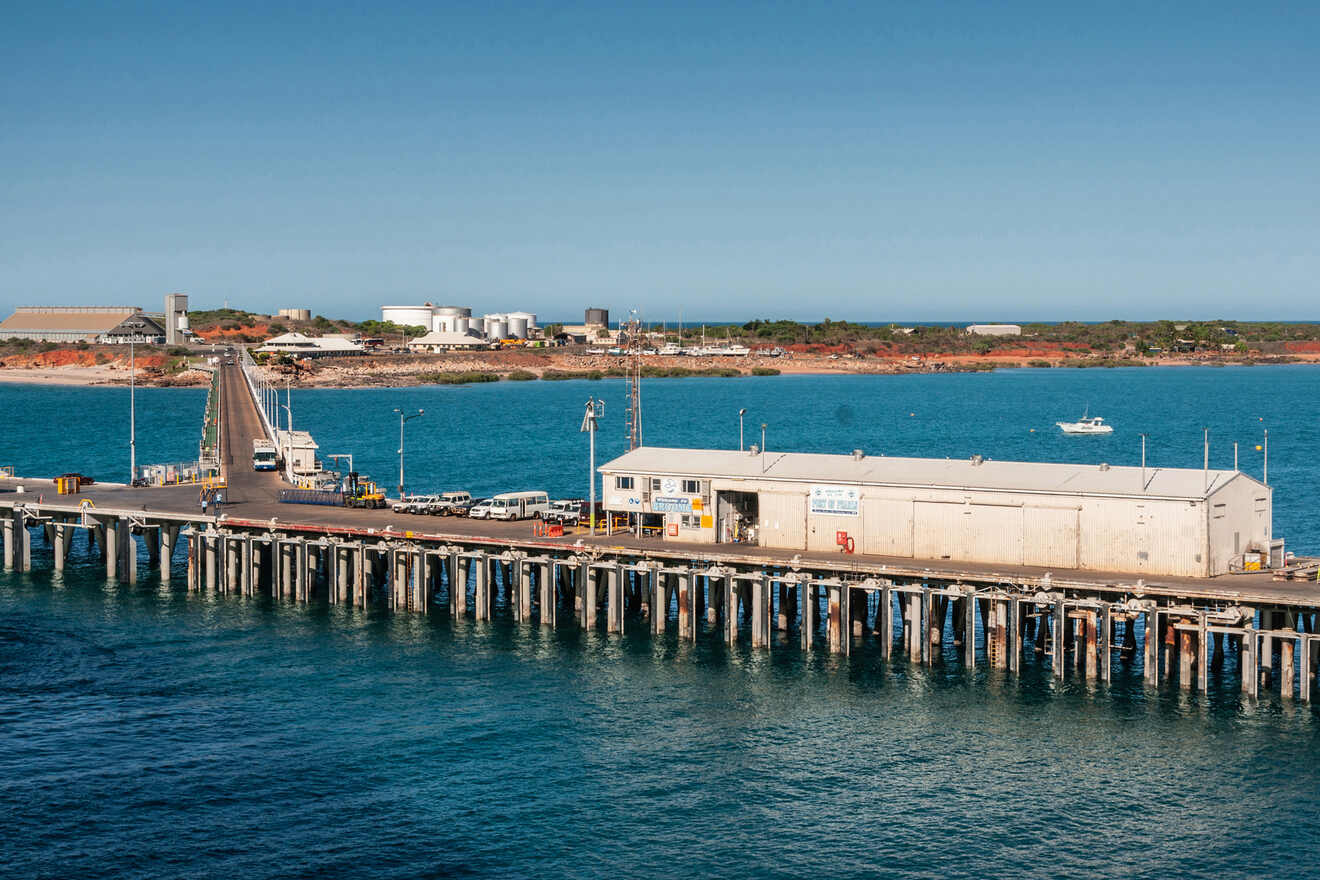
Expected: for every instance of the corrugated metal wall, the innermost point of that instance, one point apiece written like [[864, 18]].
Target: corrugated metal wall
[[783, 520], [1049, 536], [886, 527]]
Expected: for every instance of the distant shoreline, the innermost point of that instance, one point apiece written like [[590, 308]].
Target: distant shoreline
[[357, 375]]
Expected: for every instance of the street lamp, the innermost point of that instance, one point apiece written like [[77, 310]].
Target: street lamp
[[741, 413], [133, 328], [404, 418], [763, 447], [595, 409]]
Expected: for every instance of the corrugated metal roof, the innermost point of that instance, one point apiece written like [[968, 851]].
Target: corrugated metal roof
[[70, 319], [1004, 476]]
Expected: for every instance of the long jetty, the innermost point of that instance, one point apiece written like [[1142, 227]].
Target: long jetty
[[1258, 626]]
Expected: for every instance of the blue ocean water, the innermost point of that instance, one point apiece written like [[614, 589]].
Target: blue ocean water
[[146, 732]]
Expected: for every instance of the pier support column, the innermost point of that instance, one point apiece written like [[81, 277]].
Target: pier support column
[[522, 585], [835, 627], [8, 522], [127, 552], [548, 601], [482, 591], [1307, 676], [586, 594], [360, 577], [343, 581], [1186, 654], [247, 576], [111, 544], [1202, 654], [884, 621], [1058, 621], [59, 544], [1287, 667], [1151, 644], [687, 621], [659, 605], [457, 585], [1091, 643], [614, 578], [1017, 615], [810, 609], [761, 613], [969, 628], [1249, 661], [781, 619], [169, 540], [914, 628], [729, 597], [1106, 643], [996, 639]]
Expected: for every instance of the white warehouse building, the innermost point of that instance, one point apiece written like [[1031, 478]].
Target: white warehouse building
[[1179, 522]]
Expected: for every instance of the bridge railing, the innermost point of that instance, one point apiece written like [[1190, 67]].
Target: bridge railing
[[209, 453], [262, 393]]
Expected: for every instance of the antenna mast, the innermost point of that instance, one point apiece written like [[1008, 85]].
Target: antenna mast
[[633, 350]]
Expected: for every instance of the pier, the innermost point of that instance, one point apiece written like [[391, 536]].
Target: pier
[[1260, 627]]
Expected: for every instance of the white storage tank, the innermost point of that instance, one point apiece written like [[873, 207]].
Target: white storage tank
[[408, 316], [497, 326], [521, 324]]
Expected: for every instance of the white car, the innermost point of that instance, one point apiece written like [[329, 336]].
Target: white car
[[481, 510]]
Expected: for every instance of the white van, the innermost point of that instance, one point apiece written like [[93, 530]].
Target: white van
[[519, 505]]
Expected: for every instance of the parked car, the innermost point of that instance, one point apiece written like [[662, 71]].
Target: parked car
[[416, 504], [451, 504], [83, 479], [480, 509], [565, 511]]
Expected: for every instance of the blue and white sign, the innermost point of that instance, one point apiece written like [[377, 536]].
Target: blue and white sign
[[669, 504], [836, 500]]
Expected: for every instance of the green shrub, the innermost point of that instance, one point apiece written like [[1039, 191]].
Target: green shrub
[[559, 375], [520, 376], [764, 371], [467, 378]]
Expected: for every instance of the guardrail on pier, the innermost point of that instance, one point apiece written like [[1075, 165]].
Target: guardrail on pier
[[263, 395]]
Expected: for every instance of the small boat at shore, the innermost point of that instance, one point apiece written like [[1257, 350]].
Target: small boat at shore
[[1087, 424]]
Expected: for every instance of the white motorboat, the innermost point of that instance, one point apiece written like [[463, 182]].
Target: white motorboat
[[1087, 424]]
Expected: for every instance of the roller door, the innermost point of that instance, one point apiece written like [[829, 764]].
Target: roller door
[[783, 519], [886, 527]]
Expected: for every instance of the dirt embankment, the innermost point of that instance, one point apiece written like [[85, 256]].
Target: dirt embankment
[[96, 366]]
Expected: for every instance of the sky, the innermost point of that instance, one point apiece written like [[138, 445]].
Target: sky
[[864, 161]]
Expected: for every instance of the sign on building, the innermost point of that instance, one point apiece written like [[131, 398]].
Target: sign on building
[[835, 500], [671, 504]]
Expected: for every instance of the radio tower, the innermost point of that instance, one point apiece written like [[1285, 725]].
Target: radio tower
[[633, 329]]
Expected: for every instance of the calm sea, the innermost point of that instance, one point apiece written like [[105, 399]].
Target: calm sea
[[146, 732]]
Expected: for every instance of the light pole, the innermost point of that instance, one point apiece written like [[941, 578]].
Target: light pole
[[741, 413], [763, 447], [595, 409], [1143, 462], [404, 418], [133, 328]]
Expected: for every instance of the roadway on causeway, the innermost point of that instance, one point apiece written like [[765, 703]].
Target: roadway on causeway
[[252, 498]]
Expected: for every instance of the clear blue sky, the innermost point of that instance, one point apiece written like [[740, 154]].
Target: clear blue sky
[[867, 161]]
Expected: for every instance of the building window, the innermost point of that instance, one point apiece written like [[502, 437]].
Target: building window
[[690, 521], [1220, 510], [623, 482], [655, 484], [692, 487]]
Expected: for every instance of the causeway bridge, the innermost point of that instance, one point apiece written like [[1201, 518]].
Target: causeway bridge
[[1255, 627]]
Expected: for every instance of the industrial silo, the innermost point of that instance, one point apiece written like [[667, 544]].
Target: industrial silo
[[521, 324], [497, 326], [450, 319], [598, 318], [407, 316]]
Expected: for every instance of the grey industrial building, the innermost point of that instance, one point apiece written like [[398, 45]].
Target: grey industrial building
[[104, 324], [1158, 521]]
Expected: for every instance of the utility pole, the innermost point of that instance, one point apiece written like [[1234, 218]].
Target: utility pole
[[633, 327]]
